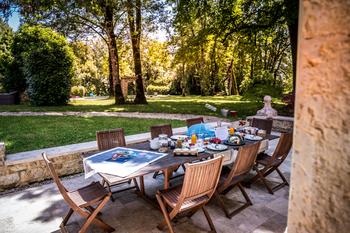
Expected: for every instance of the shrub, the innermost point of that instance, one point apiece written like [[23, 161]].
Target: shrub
[[47, 65], [78, 91], [6, 58], [152, 89], [258, 92]]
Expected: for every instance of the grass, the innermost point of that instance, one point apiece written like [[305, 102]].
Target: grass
[[28, 133], [162, 104], [36, 132]]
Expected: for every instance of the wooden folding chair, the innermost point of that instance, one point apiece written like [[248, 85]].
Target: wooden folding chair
[[194, 121], [271, 163], [244, 163], [161, 129], [156, 130], [82, 201], [199, 185], [265, 124], [109, 139]]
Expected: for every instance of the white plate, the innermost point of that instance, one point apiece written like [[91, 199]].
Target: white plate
[[252, 137], [177, 137], [200, 149], [217, 147]]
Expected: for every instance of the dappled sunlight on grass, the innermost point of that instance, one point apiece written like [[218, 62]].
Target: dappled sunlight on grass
[[160, 104]]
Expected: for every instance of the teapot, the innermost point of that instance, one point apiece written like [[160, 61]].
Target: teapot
[[154, 143]]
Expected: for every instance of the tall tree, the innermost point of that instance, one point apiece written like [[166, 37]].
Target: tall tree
[[134, 19]]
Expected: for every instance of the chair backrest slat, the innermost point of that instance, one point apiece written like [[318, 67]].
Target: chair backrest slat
[[265, 124], [194, 121], [283, 147], [161, 129], [201, 179], [244, 162], [109, 139]]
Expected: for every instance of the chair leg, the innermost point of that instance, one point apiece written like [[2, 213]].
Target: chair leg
[[262, 177], [92, 209], [110, 190], [282, 177], [239, 209], [227, 190], [105, 184], [167, 220], [222, 204], [92, 218], [281, 185], [137, 187], [155, 174], [210, 222], [246, 197], [66, 218]]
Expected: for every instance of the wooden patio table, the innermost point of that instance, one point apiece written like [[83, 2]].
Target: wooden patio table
[[166, 164]]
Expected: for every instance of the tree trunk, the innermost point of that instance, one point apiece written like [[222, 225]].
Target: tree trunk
[[110, 80], [114, 79], [236, 92], [135, 35], [292, 15], [229, 79]]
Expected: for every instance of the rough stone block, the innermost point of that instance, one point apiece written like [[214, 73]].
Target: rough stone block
[[2, 153]]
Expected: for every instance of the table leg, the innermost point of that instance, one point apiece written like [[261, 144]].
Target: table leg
[[166, 173], [142, 186]]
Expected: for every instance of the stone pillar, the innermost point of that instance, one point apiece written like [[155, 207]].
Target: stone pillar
[[320, 180], [2, 153]]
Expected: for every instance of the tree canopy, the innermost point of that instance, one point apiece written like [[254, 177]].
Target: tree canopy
[[212, 47]]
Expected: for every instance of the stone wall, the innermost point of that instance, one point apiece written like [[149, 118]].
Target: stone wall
[[279, 124], [20, 174], [320, 186]]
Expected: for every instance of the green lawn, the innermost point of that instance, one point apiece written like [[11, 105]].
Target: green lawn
[[28, 132], [165, 104]]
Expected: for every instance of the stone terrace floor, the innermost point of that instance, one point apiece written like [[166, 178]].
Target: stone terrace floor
[[41, 208]]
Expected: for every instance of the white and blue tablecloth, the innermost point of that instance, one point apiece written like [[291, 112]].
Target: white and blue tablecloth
[[131, 161]]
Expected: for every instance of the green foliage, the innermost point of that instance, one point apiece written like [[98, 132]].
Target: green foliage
[[226, 47], [78, 91], [153, 89], [258, 91], [91, 66], [6, 58], [47, 64], [230, 46]]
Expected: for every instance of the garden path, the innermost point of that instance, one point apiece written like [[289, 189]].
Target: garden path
[[170, 116]]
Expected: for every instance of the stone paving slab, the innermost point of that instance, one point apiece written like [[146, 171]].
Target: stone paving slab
[[41, 208]]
